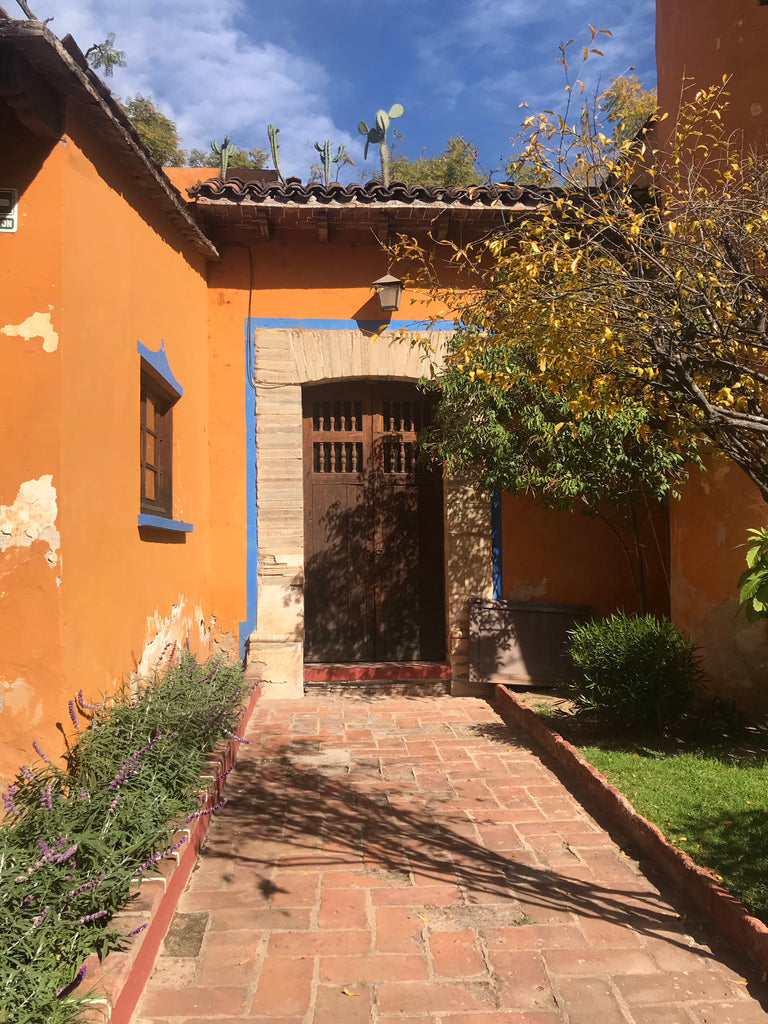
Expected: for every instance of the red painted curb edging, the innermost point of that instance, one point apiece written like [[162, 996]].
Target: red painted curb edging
[[176, 871], [729, 915]]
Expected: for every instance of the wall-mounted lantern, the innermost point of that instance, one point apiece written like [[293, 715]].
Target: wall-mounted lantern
[[389, 290]]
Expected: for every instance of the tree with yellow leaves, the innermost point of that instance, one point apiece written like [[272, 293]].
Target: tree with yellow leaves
[[642, 274]]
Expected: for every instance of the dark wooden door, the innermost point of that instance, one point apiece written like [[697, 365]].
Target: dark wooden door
[[373, 527]]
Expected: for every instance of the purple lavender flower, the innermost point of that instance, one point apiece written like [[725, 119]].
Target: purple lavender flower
[[27, 899], [10, 803], [132, 765], [159, 856], [84, 887], [88, 918], [88, 707], [83, 793], [44, 847], [234, 736], [209, 810], [113, 805], [224, 774], [39, 752], [73, 715], [25, 771], [66, 989], [37, 921], [46, 797], [139, 929], [59, 858]]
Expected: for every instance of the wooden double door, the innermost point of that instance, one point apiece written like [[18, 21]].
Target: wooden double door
[[373, 526]]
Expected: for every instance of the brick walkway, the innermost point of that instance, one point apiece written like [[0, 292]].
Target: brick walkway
[[404, 860]]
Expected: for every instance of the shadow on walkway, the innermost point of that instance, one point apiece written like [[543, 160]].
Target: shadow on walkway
[[300, 817]]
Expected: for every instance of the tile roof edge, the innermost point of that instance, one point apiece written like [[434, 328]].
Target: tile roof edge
[[65, 60]]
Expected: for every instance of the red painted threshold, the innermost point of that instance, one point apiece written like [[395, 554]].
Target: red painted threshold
[[365, 670]]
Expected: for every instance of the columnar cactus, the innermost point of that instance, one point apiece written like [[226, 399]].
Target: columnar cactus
[[378, 133], [223, 152], [324, 149], [274, 146]]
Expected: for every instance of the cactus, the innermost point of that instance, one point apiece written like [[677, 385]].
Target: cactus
[[325, 151], [342, 158], [222, 152], [378, 133], [274, 146]]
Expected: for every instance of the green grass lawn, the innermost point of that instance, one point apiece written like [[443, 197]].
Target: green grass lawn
[[710, 798]]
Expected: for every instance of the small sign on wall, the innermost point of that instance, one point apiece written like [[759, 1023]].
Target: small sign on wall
[[9, 209]]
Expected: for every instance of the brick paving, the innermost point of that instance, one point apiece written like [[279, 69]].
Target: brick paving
[[410, 859]]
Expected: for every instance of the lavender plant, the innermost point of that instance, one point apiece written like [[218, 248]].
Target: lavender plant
[[75, 838]]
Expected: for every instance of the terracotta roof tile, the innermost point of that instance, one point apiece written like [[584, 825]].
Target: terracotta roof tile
[[292, 192]]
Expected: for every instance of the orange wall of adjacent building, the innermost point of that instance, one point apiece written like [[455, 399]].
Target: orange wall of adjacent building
[[556, 557], [708, 528], [704, 40]]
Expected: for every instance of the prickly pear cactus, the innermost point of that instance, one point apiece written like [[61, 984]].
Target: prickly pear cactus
[[378, 134], [223, 152], [274, 146]]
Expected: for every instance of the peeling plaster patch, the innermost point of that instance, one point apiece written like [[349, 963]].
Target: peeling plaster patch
[[18, 696], [165, 631], [756, 109], [31, 517], [202, 629], [225, 645], [162, 632], [722, 534], [38, 325]]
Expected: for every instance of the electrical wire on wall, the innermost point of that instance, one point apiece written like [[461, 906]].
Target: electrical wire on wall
[[250, 349]]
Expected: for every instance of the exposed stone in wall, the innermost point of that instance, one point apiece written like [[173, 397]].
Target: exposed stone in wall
[[38, 325], [31, 517]]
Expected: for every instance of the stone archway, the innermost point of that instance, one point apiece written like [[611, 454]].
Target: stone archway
[[286, 359]]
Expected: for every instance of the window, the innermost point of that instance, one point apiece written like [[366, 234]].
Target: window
[[160, 391], [156, 447]]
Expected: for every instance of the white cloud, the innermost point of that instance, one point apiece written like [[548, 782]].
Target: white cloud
[[208, 76]]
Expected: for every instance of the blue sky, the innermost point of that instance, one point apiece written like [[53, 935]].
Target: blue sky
[[316, 69]]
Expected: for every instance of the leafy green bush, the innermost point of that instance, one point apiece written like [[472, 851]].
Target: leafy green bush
[[74, 840], [633, 667]]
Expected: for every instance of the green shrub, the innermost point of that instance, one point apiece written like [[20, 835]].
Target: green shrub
[[635, 668], [74, 840]]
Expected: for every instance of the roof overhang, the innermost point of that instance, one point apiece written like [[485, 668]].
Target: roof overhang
[[359, 212], [37, 70]]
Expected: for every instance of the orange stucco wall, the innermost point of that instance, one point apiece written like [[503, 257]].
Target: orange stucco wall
[[556, 557], [30, 438], [703, 40], [97, 255], [707, 528], [292, 279]]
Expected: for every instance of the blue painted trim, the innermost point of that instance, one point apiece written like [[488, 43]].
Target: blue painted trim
[[247, 626], [496, 545], [161, 523], [159, 363], [278, 322]]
